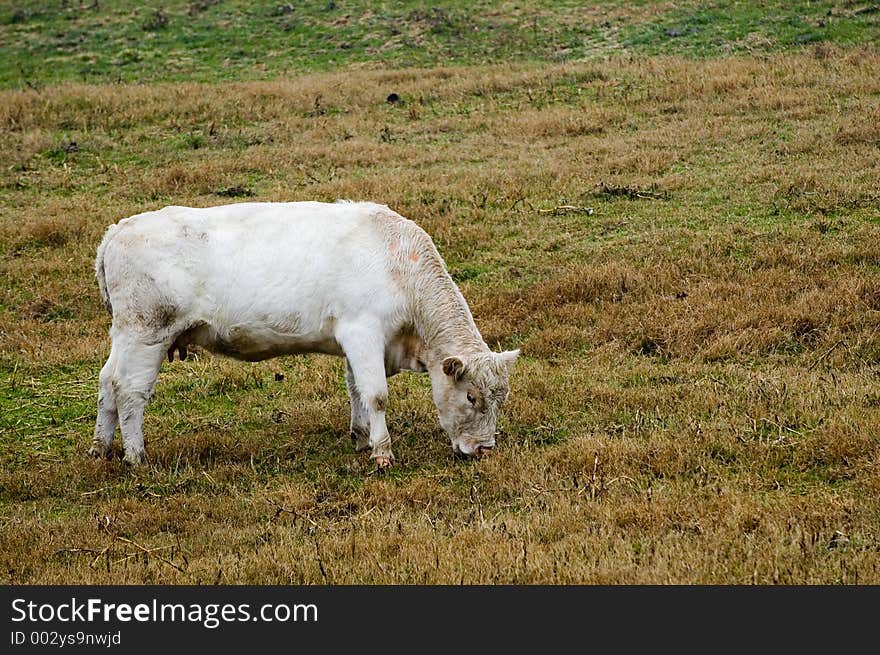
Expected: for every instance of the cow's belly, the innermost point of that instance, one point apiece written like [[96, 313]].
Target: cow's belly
[[255, 343]]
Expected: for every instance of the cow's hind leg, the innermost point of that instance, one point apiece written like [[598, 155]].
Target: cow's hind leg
[[105, 425], [136, 371], [364, 348], [360, 420]]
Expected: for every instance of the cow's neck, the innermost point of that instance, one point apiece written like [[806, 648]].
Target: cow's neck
[[442, 318]]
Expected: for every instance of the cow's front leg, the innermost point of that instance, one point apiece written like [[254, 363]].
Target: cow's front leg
[[364, 347], [360, 421]]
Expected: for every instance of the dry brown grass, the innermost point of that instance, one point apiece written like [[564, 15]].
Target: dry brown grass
[[697, 400]]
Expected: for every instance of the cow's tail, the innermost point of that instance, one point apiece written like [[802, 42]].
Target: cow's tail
[[99, 266]]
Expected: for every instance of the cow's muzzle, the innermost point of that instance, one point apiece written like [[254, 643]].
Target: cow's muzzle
[[474, 447]]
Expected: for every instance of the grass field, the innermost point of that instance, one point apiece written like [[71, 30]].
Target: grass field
[[676, 216]]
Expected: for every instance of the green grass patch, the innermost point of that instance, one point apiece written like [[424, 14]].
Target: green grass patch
[[115, 41]]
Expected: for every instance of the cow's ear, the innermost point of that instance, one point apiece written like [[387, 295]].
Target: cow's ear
[[453, 367], [509, 357]]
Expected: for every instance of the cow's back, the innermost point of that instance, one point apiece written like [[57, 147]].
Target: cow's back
[[289, 266]]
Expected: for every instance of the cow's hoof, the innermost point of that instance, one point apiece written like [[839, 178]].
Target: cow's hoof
[[135, 459], [383, 463]]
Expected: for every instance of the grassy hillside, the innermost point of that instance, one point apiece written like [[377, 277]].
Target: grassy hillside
[[684, 248], [217, 40]]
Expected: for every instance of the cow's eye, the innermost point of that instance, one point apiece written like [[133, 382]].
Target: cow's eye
[[472, 399]]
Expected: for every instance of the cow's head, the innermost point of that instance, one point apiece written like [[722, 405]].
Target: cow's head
[[468, 391]]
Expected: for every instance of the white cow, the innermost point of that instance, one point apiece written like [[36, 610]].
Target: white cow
[[259, 280]]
